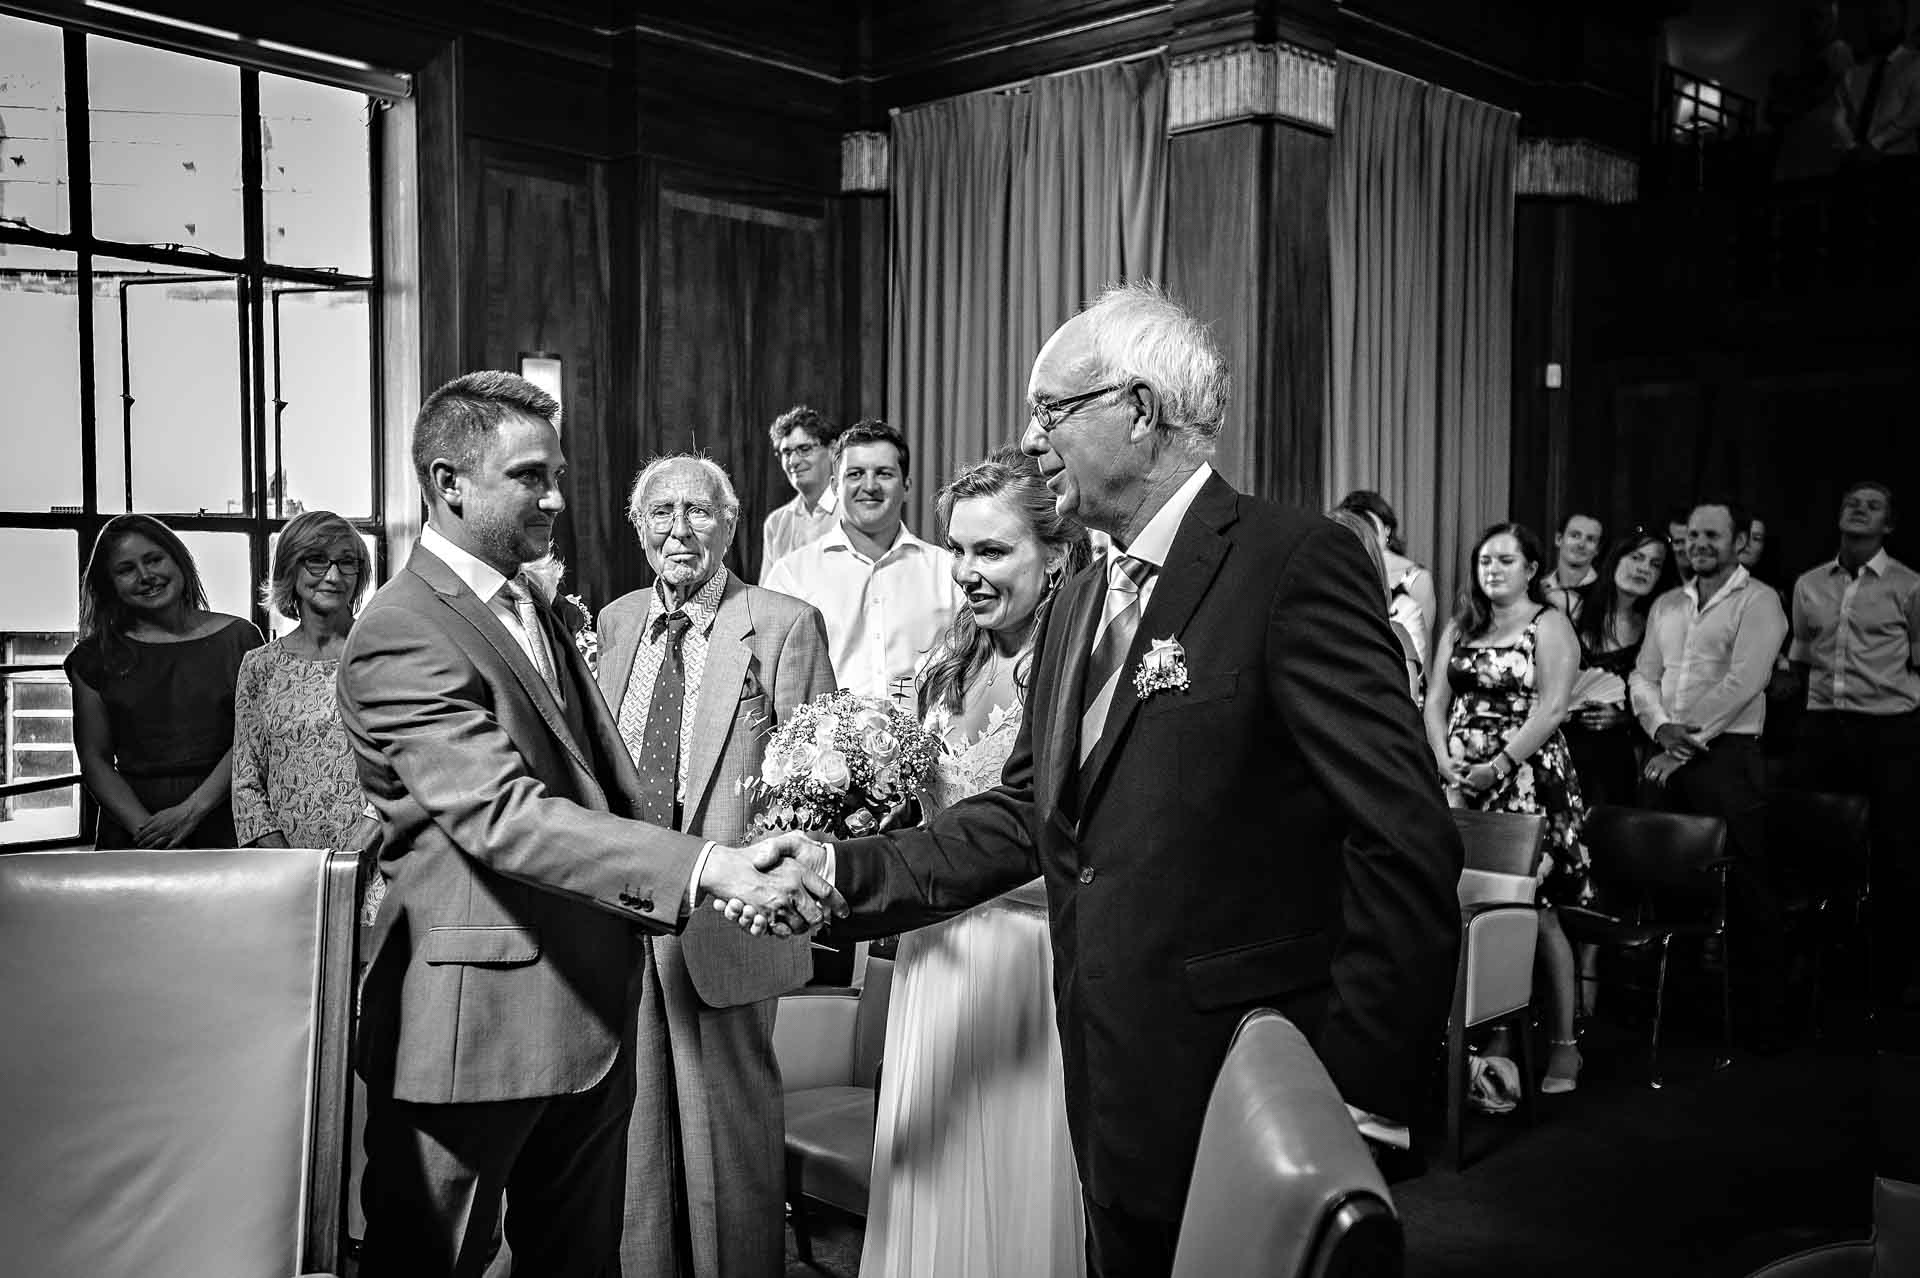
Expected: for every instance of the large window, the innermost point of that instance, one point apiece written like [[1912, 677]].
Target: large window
[[187, 329]]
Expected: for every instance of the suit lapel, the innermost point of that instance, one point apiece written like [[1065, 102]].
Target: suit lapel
[[1195, 557], [1080, 600], [455, 594], [727, 658], [616, 659]]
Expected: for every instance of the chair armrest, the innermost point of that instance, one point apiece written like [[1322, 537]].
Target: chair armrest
[[813, 1038]]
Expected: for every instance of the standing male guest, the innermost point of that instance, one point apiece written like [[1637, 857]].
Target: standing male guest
[[1573, 575], [702, 668], [886, 595], [804, 441], [1856, 644], [523, 885], [1700, 691], [1220, 776]]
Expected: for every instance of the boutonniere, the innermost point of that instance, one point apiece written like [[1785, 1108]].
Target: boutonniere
[[1162, 668], [585, 637]]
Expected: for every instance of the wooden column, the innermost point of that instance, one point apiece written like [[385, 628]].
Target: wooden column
[[1247, 248]]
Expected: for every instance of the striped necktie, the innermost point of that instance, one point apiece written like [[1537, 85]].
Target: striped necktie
[[1119, 619], [520, 591]]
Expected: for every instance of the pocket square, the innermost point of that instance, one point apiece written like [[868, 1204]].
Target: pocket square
[[750, 687]]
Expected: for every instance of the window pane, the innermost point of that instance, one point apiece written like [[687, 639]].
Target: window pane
[[33, 126], [40, 369], [37, 623], [321, 354], [165, 143], [182, 374], [316, 175], [226, 570], [280, 625]]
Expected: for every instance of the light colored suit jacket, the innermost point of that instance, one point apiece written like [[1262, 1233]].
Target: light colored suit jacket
[[767, 654], [521, 890]]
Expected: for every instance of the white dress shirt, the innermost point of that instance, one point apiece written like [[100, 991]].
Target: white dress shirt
[[795, 525], [1708, 663], [882, 614]]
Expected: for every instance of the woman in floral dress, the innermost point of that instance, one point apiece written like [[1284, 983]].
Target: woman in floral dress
[[1505, 667], [294, 784]]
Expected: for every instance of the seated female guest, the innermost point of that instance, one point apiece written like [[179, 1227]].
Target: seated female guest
[[1502, 673], [293, 777], [973, 1171], [1601, 730], [1411, 602], [153, 680]]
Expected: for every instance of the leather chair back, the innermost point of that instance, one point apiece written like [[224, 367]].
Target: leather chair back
[[1502, 856], [1669, 862], [1283, 1184], [173, 1089]]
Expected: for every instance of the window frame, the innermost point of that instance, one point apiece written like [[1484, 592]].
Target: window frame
[[262, 516]]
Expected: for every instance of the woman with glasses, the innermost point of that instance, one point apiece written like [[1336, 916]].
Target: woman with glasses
[[294, 783], [153, 679]]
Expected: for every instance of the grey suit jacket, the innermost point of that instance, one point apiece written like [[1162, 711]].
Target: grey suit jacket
[[767, 654], [521, 890]]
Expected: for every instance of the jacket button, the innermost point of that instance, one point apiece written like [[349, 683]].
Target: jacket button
[[1086, 875], [644, 903]]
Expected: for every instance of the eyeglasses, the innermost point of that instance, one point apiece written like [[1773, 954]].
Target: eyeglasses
[[317, 564], [1047, 414], [798, 452], [661, 519]]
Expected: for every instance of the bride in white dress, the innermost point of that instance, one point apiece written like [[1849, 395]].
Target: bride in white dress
[[973, 1171]]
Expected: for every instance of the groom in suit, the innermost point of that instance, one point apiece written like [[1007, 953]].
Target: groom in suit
[[1220, 777], [701, 669], [524, 884]]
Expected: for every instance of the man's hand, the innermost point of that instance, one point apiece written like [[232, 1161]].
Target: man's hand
[[1663, 766], [783, 898], [1678, 740]]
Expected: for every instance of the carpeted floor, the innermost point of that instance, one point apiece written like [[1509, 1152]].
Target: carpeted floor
[[1713, 1175]]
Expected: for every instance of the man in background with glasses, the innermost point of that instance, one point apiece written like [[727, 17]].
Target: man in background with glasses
[[804, 441], [700, 669]]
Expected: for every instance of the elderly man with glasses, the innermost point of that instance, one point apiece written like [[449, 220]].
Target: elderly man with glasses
[[699, 669]]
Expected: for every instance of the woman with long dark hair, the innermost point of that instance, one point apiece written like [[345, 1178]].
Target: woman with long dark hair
[[973, 1170], [1502, 673], [1412, 603], [1601, 731], [153, 687]]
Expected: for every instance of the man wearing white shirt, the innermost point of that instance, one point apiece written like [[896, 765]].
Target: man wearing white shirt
[[886, 595], [804, 441], [1699, 690]]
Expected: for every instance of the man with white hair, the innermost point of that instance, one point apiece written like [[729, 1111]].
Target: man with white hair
[[1220, 777], [700, 668]]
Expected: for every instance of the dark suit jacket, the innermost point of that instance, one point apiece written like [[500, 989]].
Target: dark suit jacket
[[521, 889], [1272, 835], [766, 655]]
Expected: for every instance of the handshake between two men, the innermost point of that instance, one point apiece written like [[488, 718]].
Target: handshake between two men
[[777, 885]]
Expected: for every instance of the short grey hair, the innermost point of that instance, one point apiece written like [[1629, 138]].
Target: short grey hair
[[729, 502], [1135, 331]]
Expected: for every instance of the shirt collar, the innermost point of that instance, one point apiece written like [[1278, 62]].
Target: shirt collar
[[1155, 541], [1736, 582], [828, 504], [701, 609], [837, 539], [481, 577], [1876, 565]]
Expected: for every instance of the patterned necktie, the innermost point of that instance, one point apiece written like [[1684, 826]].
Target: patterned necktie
[[1119, 619], [658, 758], [520, 591]]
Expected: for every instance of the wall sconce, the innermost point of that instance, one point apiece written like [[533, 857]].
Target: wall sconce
[[544, 371]]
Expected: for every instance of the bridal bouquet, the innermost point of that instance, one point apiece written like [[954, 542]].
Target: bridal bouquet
[[843, 763]]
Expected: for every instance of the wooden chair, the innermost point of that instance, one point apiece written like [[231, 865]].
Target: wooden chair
[[1499, 932], [1282, 1183], [1660, 877], [174, 1083], [828, 1042]]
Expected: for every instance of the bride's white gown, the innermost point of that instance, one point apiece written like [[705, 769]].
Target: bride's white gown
[[973, 1171]]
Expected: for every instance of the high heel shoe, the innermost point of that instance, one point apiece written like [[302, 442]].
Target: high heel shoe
[[1563, 1068]]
